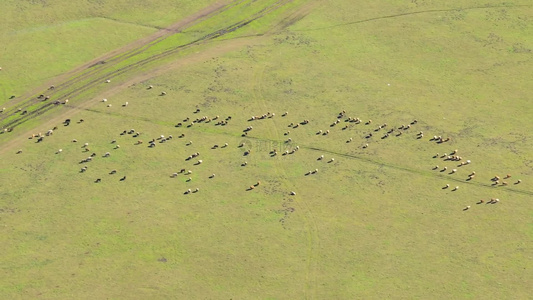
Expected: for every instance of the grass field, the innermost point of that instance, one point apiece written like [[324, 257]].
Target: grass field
[[375, 223]]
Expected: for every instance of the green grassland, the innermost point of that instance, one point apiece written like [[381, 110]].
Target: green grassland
[[373, 224], [43, 39]]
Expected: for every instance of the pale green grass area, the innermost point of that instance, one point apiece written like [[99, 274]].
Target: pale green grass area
[[22, 15], [373, 224], [42, 39], [32, 57]]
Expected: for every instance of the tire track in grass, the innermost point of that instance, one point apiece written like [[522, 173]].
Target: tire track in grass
[[154, 58], [312, 228], [416, 13], [108, 61]]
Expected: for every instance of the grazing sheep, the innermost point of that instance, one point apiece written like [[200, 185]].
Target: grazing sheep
[[315, 171], [436, 167], [212, 175], [285, 114], [117, 146], [189, 179], [109, 105], [98, 180], [321, 157], [331, 160], [196, 190], [123, 178], [507, 176], [189, 143], [85, 145], [104, 100], [292, 193], [139, 142], [199, 162], [287, 133], [319, 132], [368, 122], [288, 140], [251, 187], [446, 186], [242, 144], [107, 154], [444, 169], [467, 207], [174, 175], [455, 188], [74, 140], [49, 132], [83, 169], [349, 140], [308, 173], [108, 81], [113, 172], [453, 171], [20, 151], [519, 181], [225, 145], [59, 151], [244, 164], [326, 132], [504, 183], [125, 104], [163, 93], [480, 201], [150, 87], [189, 172], [188, 191], [365, 146]]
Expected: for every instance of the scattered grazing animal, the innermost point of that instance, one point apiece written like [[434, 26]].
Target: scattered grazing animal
[[123, 178], [113, 172], [456, 188], [466, 208], [98, 180], [292, 193], [519, 181]]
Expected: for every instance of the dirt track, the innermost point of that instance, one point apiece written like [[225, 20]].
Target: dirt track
[[97, 71]]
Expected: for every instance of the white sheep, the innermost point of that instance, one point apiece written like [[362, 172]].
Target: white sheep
[[108, 81], [59, 151], [321, 157]]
